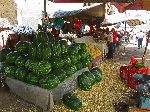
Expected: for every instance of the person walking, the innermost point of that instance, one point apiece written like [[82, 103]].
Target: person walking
[[140, 37], [115, 34], [110, 46]]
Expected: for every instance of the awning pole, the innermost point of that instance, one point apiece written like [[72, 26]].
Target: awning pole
[[44, 7], [125, 23]]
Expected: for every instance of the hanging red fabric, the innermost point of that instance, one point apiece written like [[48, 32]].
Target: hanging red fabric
[[77, 24]]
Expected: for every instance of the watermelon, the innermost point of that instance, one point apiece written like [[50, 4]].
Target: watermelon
[[49, 82], [86, 62], [82, 46], [60, 73], [66, 60], [10, 71], [44, 51], [3, 65], [42, 37], [97, 74], [70, 70], [11, 57], [73, 50], [73, 59], [3, 54], [56, 49], [42, 68], [83, 54], [21, 74], [77, 46], [97, 69], [20, 61], [33, 79], [91, 77], [84, 82], [57, 63], [79, 65], [64, 46], [32, 50], [89, 58], [22, 47], [78, 56], [72, 101], [30, 64], [50, 37]]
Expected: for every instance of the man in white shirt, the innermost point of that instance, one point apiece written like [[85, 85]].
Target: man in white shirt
[[140, 36]]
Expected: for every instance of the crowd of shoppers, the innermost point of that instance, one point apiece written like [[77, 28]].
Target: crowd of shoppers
[[116, 37]]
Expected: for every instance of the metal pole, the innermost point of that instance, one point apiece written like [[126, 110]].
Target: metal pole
[[45, 7], [125, 23]]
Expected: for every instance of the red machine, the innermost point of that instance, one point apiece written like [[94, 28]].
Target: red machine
[[127, 71]]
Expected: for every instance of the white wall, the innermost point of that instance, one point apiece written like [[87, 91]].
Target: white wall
[[29, 12]]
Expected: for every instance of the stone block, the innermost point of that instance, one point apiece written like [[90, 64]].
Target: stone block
[[42, 97], [30, 93]]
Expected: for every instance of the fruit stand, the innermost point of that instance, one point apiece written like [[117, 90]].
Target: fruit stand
[[98, 46], [44, 70]]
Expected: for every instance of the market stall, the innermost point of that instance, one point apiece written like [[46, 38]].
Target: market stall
[[57, 76], [91, 16], [60, 68]]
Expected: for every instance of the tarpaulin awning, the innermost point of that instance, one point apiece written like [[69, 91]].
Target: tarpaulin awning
[[137, 5], [115, 18], [79, 1], [134, 22], [95, 11]]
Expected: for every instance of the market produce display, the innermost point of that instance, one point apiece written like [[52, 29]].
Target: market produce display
[[45, 62], [103, 95], [94, 51]]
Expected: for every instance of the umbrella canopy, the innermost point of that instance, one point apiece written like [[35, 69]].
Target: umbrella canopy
[[134, 22]]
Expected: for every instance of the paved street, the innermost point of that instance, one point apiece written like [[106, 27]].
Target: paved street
[[132, 50]]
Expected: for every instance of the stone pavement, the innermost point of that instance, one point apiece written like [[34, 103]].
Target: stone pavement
[[132, 50]]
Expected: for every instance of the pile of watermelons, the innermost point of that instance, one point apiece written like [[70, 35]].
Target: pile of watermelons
[[45, 62], [88, 78], [85, 81]]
